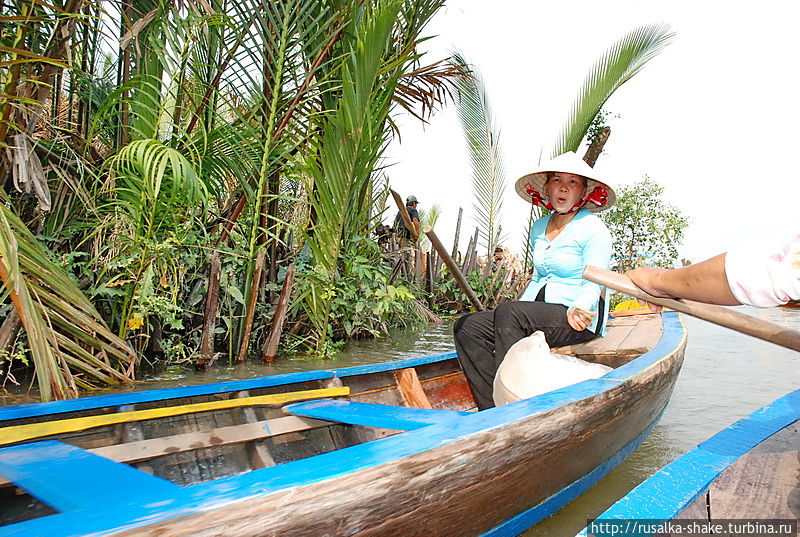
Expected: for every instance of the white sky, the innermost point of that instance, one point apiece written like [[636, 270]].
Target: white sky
[[714, 118]]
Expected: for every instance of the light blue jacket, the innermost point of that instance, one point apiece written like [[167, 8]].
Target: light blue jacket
[[559, 264]]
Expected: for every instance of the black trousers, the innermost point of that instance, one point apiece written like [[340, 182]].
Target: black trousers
[[483, 338]]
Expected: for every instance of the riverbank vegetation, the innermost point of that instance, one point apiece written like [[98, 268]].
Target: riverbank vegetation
[[166, 162]]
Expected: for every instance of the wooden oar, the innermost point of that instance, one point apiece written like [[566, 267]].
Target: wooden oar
[[17, 433], [768, 331]]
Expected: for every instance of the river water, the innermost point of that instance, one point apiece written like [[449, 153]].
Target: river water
[[725, 376]]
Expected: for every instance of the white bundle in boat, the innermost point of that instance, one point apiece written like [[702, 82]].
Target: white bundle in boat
[[529, 368]]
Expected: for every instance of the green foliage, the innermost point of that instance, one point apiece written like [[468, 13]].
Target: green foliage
[[378, 50], [428, 217], [451, 299], [616, 66], [61, 325], [362, 301], [483, 144], [278, 109], [645, 229]]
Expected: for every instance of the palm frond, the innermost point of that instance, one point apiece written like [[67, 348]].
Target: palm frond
[[70, 344], [616, 66], [354, 136], [483, 144]]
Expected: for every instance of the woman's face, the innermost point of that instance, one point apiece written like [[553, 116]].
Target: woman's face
[[564, 190]]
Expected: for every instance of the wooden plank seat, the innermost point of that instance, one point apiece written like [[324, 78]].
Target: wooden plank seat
[[372, 415], [626, 338], [68, 478]]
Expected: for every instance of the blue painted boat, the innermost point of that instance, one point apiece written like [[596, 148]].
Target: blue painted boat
[[385, 449], [749, 470]]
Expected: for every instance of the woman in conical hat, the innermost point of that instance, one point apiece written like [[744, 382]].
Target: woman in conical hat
[[558, 301]]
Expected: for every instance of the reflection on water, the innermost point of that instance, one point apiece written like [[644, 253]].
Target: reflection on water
[[725, 376]]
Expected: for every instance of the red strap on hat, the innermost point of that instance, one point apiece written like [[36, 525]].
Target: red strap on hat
[[536, 198], [598, 196]]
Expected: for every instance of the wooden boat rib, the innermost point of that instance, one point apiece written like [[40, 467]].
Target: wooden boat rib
[[340, 466], [748, 470]]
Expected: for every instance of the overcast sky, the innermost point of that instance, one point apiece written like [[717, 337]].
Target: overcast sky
[[714, 118]]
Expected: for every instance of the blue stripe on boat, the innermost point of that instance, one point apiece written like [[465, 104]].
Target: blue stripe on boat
[[68, 478], [128, 398], [372, 415], [258, 483], [670, 490]]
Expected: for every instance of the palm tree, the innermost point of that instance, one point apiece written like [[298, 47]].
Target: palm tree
[[379, 50]]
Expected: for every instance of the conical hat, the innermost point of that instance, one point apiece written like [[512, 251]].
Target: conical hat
[[567, 162]]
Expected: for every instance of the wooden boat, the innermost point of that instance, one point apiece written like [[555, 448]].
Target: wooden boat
[[749, 470], [385, 449]]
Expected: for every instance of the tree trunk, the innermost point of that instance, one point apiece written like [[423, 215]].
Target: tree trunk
[[596, 147], [252, 298], [454, 255]]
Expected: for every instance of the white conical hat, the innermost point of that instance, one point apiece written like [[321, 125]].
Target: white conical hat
[[567, 162]]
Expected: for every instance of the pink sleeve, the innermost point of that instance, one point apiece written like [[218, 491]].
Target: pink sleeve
[[765, 273]]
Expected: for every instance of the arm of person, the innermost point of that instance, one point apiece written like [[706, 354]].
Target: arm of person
[[702, 282], [596, 252]]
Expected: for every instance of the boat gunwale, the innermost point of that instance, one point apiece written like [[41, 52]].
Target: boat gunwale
[[261, 483]]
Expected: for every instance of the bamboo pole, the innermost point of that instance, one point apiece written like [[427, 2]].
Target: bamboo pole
[[270, 348], [471, 260], [396, 270], [428, 230], [467, 253], [435, 263], [429, 279], [752, 326]]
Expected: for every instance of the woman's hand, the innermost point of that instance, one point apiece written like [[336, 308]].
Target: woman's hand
[[579, 319]]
